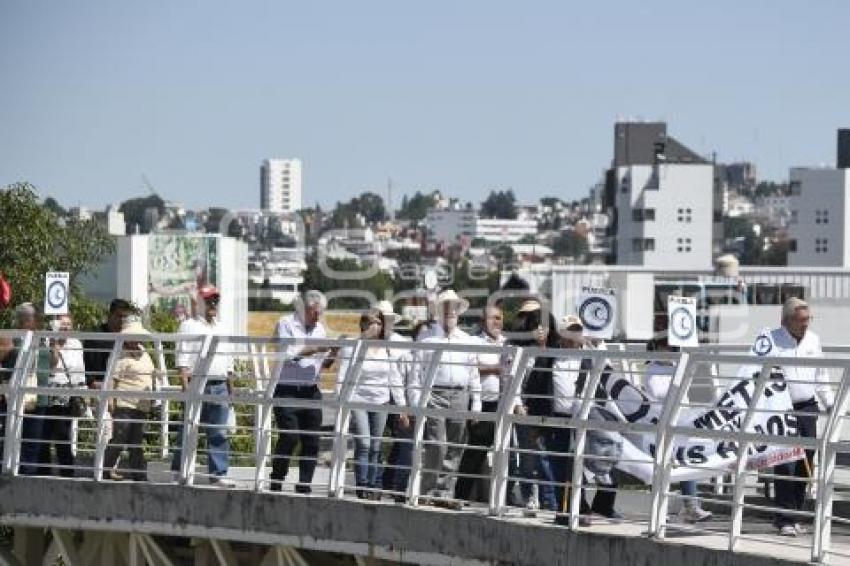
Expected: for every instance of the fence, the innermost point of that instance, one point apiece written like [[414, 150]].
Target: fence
[[720, 416]]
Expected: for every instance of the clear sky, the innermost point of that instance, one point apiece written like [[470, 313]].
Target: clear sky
[[461, 95]]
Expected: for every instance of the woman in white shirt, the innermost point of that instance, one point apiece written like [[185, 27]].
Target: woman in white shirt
[[377, 381]]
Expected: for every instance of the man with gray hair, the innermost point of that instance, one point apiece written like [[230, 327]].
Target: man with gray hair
[[793, 339], [297, 377]]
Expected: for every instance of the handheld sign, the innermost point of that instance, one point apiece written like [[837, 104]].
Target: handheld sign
[[56, 292], [597, 309], [682, 316]]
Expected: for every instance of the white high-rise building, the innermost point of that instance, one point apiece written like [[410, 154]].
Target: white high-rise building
[[662, 196], [280, 185]]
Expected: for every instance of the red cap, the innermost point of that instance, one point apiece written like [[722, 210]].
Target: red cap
[[208, 291]]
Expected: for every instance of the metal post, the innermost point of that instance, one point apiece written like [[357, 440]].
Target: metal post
[[419, 428], [743, 448], [502, 431], [588, 397], [826, 487], [15, 406], [664, 443], [192, 408], [348, 386], [263, 426], [103, 402], [164, 404]]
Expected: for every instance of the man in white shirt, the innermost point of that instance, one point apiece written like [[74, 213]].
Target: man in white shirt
[[794, 339], [298, 378], [455, 382], [214, 415], [481, 433]]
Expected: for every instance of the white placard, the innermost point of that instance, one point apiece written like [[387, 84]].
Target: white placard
[[682, 325], [56, 291], [597, 309]]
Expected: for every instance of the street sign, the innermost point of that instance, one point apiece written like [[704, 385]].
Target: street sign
[[682, 328], [56, 291], [597, 309]]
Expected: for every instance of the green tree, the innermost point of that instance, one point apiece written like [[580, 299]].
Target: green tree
[[368, 205], [499, 204], [53, 206], [134, 209], [415, 207], [570, 244], [35, 242]]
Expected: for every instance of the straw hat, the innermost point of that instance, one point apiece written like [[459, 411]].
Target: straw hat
[[133, 325], [449, 296]]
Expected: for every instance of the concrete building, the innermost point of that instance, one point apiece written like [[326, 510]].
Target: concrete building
[[820, 206], [450, 226], [497, 230], [662, 200], [280, 185]]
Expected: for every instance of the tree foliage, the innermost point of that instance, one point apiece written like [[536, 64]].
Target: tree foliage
[[35, 241], [369, 206], [134, 209], [499, 204], [415, 207], [570, 244]]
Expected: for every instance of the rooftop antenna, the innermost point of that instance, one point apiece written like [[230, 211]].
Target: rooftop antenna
[[390, 198], [147, 183]]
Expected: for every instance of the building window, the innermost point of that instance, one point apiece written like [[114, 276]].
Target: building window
[[625, 186], [820, 245], [643, 244], [643, 214], [684, 215], [822, 216], [793, 219], [792, 246], [683, 245]]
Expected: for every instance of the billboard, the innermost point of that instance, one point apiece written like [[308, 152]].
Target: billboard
[[178, 265]]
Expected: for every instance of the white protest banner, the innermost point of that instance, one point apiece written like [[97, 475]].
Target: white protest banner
[[597, 309], [704, 457], [56, 291], [682, 317]]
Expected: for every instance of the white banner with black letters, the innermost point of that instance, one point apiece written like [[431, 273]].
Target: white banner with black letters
[[704, 457]]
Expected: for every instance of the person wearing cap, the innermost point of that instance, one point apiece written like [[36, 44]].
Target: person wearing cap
[[569, 377], [456, 381], [217, 383], [298, 378], [481, 432], [133, 371], [658, 375], [378, 382], [536, 328], [794, 339]]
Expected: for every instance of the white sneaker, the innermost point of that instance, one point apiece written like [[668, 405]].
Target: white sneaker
[[531, 507], [801, 530], [692, 514], [788, 531], [222, 481]]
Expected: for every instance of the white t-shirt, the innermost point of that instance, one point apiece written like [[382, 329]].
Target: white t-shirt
[[188, 352], [378, 377], [491, 382], [458, 369]]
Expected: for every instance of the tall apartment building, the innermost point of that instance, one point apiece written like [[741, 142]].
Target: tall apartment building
[[280, 185], [662, 200], [820, 208]]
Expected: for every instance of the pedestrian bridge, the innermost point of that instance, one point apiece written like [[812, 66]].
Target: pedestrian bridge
[[179, 518]]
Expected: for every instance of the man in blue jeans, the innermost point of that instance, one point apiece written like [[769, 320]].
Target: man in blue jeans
[[213, 415]]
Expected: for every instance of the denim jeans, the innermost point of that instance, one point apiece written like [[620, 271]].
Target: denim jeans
[[536, 466], [368, 426], [214, 415], [400, 458]]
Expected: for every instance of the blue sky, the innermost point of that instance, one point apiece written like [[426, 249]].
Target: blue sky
[[461, 95]]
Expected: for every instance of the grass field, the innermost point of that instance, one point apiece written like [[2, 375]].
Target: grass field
[[336, 323]]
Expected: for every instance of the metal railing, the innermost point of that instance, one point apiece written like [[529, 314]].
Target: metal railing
[[518, 449]]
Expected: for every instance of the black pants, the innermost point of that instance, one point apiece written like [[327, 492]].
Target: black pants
[[129, 435], [472, 462], [291, 420], [56, 430], [791, 494]]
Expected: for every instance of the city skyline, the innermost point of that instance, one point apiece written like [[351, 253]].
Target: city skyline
[[459, 98]]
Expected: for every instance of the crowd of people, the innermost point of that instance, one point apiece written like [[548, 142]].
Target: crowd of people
[[465, 381]]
